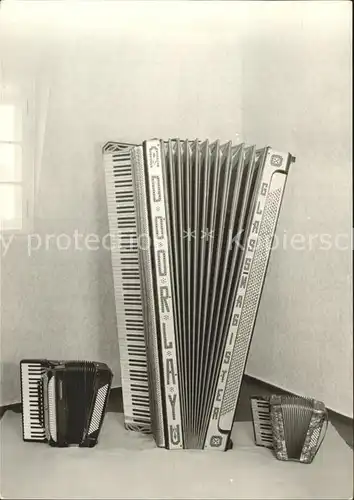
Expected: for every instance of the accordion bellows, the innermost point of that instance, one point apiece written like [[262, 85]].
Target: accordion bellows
[[192, 225], [293, 426]]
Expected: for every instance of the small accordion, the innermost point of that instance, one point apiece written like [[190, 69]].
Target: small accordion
[[63, 402], [294, 427]]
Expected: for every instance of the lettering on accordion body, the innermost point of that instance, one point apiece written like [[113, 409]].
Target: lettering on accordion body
[[164, 296], [154, 156], [255, 227], [243, 282], [156, 189], [166, 344], [172, 401], [247, 265], [170, 373], [175, 434], [159, 224], [165, 317], [217, 419], [264, 190]]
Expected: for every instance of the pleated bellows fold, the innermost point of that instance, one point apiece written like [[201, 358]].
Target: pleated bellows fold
[[210, 190]]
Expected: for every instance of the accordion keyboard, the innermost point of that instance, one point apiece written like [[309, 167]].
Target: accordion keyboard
[[32, 409], [262, 426], [127, 288]]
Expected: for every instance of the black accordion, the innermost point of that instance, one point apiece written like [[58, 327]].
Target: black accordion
[[63, 402], [191, 225], [294, 427]]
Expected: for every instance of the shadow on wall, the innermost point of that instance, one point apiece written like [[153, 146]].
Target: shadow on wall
[[9, 381]]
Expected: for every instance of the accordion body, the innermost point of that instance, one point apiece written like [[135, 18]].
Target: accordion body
[[292, 426], [191, 227], [64, 402]]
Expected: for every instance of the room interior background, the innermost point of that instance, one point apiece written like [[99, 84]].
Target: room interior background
[[262, 72]]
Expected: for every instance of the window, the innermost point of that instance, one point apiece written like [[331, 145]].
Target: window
[[15, 165]]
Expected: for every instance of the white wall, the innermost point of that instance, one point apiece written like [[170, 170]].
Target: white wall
[[111, 77], [297, 97], [277, 73]]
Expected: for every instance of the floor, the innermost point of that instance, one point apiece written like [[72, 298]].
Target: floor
[[250, 387], [247, 472], [128, 465]]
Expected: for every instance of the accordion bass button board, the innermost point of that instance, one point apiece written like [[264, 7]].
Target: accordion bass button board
[[191, 227]]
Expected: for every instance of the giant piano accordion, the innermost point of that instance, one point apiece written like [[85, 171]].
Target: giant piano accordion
[[191, 227], [63, 402]]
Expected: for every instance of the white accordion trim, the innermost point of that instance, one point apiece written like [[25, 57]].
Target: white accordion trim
[[98, 409], [52, 409]]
